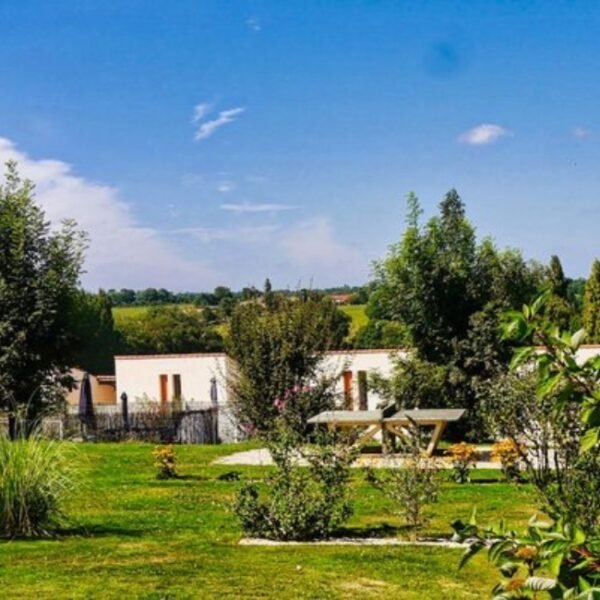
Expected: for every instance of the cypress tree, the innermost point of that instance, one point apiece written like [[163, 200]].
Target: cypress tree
[[591, 304]]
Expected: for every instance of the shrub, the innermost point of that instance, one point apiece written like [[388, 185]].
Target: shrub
[[35, 479], [508, 454], [554, 559], [464, 457], [412, 485], [303, 503], [165, 461]]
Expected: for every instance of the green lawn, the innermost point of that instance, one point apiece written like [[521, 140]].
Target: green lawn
[[125, 313], [357, 313], [132, 536]]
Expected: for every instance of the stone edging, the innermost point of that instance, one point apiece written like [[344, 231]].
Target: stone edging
[[432, 542]]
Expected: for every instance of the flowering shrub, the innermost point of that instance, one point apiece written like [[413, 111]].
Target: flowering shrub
[[165, 461], [464, 457], [303, 503], [508, 453]]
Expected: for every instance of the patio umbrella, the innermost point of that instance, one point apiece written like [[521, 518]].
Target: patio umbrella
[[125, 410], [86, 406], [214, 397]]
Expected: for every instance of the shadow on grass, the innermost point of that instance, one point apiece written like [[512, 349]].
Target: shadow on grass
[[383, 530], [98, 530]]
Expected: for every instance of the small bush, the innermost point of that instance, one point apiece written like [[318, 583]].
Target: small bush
[[303, 503], [35, 478], [464, 457], [412, 485], [508, 454], [165, 461]]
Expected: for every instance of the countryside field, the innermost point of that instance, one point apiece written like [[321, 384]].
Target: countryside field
[[132, 536], [356, 312]]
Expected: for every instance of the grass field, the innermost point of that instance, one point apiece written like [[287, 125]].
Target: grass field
[[356, 312], [131, 536]]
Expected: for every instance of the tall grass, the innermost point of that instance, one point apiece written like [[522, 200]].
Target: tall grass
[[35, 477]]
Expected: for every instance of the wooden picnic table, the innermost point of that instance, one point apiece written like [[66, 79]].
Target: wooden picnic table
[[390, 425]]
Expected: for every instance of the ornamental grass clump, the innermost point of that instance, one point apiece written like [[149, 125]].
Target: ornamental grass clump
[[35, 479], [165, 461], [463, 457]]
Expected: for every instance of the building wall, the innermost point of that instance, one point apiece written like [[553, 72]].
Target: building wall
[[103, 393]]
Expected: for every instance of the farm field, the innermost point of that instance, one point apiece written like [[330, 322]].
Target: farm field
[[132, 536], [356, 312]]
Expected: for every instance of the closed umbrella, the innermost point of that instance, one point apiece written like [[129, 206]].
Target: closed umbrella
[[86, 406], [214, 397]]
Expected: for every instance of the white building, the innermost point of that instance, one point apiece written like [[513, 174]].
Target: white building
[[190, 378]]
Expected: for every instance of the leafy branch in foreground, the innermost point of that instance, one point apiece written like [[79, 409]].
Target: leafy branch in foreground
[[556, 559]]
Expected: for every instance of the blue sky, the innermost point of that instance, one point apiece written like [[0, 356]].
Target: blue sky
[[204, 143]]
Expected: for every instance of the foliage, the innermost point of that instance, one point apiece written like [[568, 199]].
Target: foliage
[[35, 481], [508, 453], [591, 304], [446, 290], [92, 327], [169, 329], [463, 457], [548, 440], [39, 275], [412, 485], [302, 503], [278, 349], [381, 333], [556, 560], [165, 461]]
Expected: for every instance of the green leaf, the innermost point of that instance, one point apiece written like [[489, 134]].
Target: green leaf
[[555, 562], [470, 552], [540, 584], [589, 439]]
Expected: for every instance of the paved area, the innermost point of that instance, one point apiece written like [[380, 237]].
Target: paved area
[[261, 457]]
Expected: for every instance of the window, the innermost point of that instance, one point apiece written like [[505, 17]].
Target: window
[[348, 400], [163, 385], [176, 387], [363, 400]]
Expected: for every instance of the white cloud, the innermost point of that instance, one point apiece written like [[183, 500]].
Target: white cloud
[[207, 128], [200, 111], [312, 246], [249, 207], [486, 133], [254, 24], [225, 186], [122, 253], [258, 233], [581, 133]]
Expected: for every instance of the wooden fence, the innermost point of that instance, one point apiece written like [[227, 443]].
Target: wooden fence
[[185, 427]]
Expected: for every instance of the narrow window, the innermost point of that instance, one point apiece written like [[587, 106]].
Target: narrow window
[[163, 382], [176, 387], [348, 400], [363, 401]]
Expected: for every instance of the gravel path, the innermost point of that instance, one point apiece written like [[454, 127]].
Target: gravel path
[[261, 457]]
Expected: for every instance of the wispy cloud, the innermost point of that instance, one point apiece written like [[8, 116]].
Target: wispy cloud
[[486, 133], [207, 128], [258, 233], [200, 111], [250, 207], [581, 133], [225, 186], [254, 24]]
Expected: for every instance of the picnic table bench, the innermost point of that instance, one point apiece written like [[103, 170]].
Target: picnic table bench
[[390, 424]]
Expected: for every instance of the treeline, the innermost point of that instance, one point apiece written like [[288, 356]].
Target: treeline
[[220, 295]]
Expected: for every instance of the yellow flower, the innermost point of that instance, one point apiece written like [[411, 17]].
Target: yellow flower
[[515, 584], [526, 553]]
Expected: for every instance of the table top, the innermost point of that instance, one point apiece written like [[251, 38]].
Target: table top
[[370, 416]]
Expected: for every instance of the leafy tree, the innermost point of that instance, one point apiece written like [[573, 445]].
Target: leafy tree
[[558, 309], [591, 304], [169, 329], [92, 326], [39, 276], [278, 351]]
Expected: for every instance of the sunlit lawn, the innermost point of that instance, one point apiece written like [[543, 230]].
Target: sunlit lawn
[[132, 536], [358, 315]]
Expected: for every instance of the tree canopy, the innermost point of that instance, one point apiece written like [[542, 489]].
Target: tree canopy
[[39, 278]]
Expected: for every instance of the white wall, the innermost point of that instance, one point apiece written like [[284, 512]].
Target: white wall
[[355, 361], [138, 376]]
